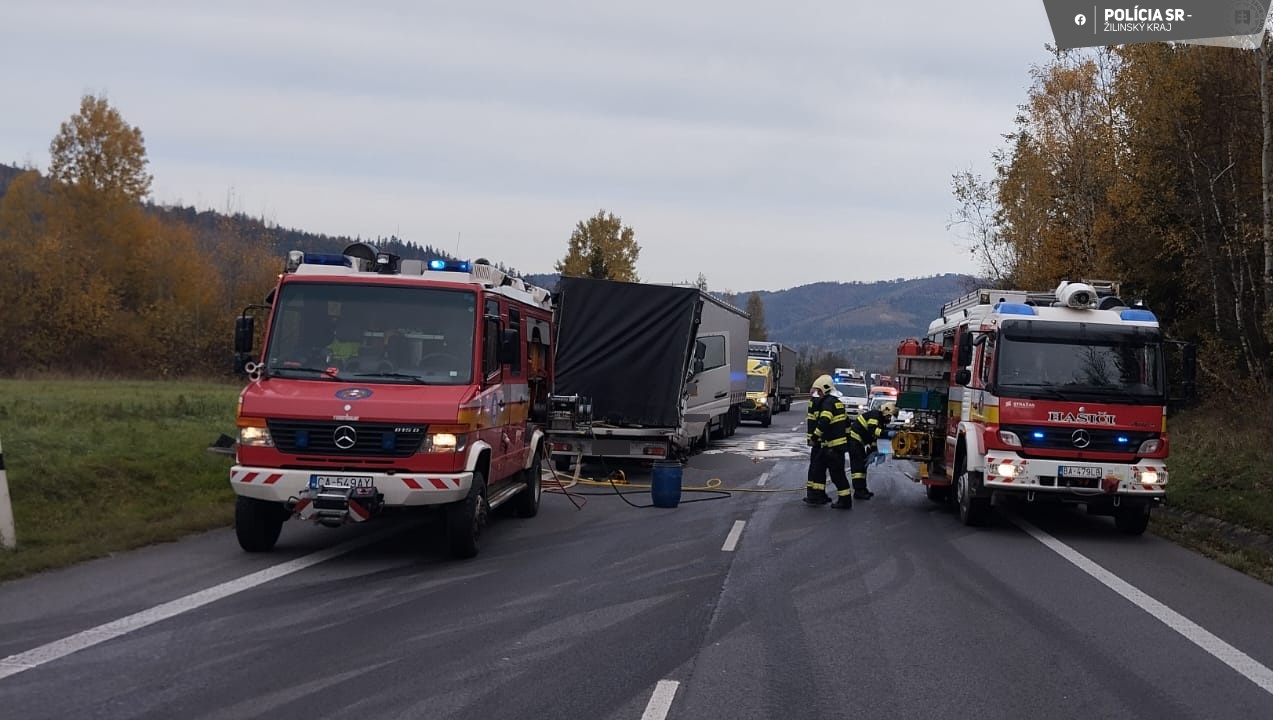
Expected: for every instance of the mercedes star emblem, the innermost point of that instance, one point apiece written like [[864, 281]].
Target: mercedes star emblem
[[1081, 438], [345, 437]]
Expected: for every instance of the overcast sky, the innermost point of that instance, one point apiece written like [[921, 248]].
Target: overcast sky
[[765, 144]]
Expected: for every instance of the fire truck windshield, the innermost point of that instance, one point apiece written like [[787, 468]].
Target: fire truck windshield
[[387, 334], [1081, 363]]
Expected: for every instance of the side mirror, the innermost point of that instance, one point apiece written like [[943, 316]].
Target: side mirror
[[963, 376], [965, 348], [244, 334]]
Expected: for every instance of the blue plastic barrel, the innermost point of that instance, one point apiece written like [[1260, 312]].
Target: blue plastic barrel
[[665, 490]]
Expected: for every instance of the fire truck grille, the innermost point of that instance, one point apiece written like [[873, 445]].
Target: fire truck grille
[[1093, 440], [336, 438]]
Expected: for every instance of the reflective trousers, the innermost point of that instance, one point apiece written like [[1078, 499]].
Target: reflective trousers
[[857, 464], [822, 461]]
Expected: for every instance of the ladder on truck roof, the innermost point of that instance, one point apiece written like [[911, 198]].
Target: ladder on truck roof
[[989, 296]]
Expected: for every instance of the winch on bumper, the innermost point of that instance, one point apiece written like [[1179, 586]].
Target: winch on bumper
[[335, 497], [1092, 482]]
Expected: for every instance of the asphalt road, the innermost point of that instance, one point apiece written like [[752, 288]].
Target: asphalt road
[[749, 606]]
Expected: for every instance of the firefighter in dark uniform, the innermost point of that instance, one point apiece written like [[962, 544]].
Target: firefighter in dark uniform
[[816, 487], [829, 440], [864, 432]]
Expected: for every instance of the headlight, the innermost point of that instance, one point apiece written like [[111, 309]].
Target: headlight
[[254, 436], [1007, 470], [445, 442], [1010, 439], [1149, 477], [761, 401], [1150, 446]]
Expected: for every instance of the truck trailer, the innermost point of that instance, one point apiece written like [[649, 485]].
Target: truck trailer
[[644, 371]]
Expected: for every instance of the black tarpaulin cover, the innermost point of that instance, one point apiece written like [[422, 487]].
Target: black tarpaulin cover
[[627, 346]]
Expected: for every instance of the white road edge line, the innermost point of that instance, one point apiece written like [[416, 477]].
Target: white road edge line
[[764, 478], [1246, 665], [731, 540], [49, 652], [661, 701]]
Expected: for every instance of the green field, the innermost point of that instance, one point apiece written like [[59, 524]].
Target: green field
[[98, 466]]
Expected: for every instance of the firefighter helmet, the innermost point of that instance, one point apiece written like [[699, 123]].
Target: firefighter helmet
[[824, 384], [889, 409]]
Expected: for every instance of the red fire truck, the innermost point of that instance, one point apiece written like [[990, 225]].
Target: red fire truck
[[1046, 396], [391, 383]]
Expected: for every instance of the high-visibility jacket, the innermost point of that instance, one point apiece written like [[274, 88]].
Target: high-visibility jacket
[[868, 427], [832, 422]]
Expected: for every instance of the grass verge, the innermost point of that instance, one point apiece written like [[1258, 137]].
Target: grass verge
[[101, 466], [1222, 467]]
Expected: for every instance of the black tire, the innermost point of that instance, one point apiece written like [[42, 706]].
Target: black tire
[[937, 493], [769, 420], [526, 504], [1132, 521], [972, 509], [258, 523], [466, 519]]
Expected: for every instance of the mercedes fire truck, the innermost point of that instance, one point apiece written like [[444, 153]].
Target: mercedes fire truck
[[391, 383], [1045, 396]]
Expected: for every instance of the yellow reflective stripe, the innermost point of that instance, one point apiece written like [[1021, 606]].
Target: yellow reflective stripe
[[816, 486], [853, 434], [844, 493], [834, 443], [858, 476], [839, 418]]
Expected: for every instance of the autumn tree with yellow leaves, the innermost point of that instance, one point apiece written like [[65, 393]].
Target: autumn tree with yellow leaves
[[93, 282], [1141, 163], [601, 247]]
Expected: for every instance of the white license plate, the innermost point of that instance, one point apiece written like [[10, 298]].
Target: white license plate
[[1080, 471], [339, 481]]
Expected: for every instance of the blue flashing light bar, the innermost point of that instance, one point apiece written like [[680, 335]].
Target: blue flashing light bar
[[1038, 434], [452, 266], [1122, 440], [1136, 315], [327, 259], [1008, 308]]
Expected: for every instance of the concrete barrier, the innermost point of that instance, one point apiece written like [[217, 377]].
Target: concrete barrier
[[7, 537]]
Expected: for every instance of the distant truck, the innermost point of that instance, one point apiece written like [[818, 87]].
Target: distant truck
[[761, 402], [644, 371], [781, 360]]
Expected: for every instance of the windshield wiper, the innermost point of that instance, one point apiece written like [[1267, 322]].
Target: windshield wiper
[[404, 376], [327, 372]]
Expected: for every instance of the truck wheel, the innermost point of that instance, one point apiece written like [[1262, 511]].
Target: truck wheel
[[1132, 520], [769, 420], [257, 523], [466, 519], [972, 509], [526, 504]]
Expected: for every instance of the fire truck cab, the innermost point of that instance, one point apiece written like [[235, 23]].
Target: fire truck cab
[[389, 383]]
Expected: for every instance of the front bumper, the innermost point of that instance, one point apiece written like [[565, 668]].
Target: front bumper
[[755, 411], [399, 489], [1080, 480]]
